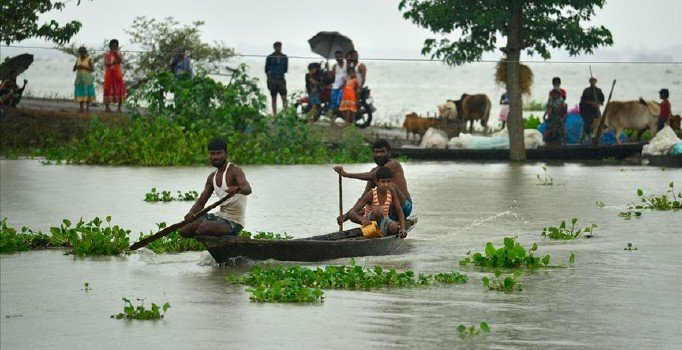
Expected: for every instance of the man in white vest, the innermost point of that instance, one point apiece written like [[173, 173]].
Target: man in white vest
[[227, 180]]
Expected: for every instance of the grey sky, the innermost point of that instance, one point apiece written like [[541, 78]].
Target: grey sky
[[376, 26]]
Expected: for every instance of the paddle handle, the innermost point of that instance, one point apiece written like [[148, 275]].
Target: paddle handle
[[340, 204], [168, 230]]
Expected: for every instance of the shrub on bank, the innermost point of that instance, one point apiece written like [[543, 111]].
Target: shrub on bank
[[182, 115]]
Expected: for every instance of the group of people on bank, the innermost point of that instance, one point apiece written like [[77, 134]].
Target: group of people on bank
[[339, 87], [114, 86], [589, 108], [383, 206]]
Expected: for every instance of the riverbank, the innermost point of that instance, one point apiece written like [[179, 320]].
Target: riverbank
[[42, 123]]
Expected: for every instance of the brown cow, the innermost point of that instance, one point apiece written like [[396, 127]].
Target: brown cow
[[634, 115], [473, 107], [417, 125]]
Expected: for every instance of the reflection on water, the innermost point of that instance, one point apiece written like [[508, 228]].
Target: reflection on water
[[610, 298]]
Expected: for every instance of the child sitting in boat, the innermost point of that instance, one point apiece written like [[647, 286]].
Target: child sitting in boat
[[375, 206]]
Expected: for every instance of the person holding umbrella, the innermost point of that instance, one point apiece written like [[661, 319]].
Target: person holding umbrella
[[10, 92], [276, 65]]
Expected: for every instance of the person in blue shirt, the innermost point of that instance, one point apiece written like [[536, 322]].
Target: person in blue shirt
[[276, 65], [180, 64]]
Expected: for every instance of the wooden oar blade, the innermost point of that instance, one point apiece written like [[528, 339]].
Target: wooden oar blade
[[165, 232]]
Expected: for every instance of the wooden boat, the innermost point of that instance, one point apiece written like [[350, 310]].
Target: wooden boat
[[344, 244], [666, 161], [543, 153]]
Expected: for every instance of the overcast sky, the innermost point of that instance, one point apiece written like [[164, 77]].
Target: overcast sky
[[376, 26]]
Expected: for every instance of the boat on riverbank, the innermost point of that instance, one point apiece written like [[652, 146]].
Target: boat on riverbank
[[543, 153], [335, 245], [666, 161]]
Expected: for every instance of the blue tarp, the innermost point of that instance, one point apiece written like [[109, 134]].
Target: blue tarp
[[574, 130]]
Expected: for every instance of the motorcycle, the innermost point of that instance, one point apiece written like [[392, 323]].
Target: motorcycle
[[363, 117]]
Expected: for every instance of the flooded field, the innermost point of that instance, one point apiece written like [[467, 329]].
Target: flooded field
[[608, 299]]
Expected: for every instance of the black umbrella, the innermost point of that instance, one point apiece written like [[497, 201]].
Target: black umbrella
[[326, 43], [16, 64]]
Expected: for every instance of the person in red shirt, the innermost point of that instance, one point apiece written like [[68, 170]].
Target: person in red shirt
[[556, 84], [664, 117]]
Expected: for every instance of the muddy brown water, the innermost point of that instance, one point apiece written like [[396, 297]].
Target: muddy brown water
[[609, 298]]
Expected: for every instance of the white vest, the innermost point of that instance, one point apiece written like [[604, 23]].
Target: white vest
[[233, 209], [339, 74]]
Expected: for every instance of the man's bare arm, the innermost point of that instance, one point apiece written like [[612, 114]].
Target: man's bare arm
[[368, 176], [242, 183]]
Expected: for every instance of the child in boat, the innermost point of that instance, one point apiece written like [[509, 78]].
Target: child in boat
[[376, 204]]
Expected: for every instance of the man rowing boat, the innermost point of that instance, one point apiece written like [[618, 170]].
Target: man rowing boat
[[227, 180], [381, 152]]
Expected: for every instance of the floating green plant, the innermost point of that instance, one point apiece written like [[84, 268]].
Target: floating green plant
[[288, 283], [173, 243], [465, 331], [563, 232], [86, 287], [508, 284], [665, 202], [571, 259], [600, 204], [510, 255], [630, 247], [165, 196], [545, 180], [131, 312], [12, 241], [265, 235], [91, 238]]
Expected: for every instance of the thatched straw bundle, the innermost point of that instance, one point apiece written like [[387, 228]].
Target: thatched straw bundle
[[526, 76]]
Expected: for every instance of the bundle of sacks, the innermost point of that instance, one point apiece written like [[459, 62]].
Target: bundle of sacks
[[436, 138], [665, 142]]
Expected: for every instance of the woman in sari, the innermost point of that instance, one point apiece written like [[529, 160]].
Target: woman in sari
[[114, 86], [84, 90]]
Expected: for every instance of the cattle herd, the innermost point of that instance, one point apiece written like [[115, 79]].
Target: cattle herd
[[453, 116]]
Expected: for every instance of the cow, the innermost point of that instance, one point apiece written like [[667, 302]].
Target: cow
[[417, 125], [675, 122], [447, 111], [473, 107], [634, 115]]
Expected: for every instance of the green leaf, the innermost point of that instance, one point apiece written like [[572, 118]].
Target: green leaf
[[571, 259], [485, 327]]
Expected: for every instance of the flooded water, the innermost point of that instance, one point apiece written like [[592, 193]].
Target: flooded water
[[608, 299]]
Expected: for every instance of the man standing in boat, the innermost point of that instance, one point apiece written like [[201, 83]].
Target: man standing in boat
[[227, 180], [376, 205], [381, 152]]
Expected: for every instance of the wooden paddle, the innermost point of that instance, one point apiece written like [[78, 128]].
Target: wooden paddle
[[168, 230], [340, 204]]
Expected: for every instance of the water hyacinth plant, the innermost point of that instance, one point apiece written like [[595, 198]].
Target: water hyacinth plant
[[545, 180], [288, 283], [630, 247], [154, 196], [91, 238], [508, 284], [665, 202], [12, 241], [265, 235], [131, 312], [510, 255], [465, 331], [563, 232]]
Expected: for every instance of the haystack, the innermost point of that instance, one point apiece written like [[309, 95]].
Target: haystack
[[526, 76]]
